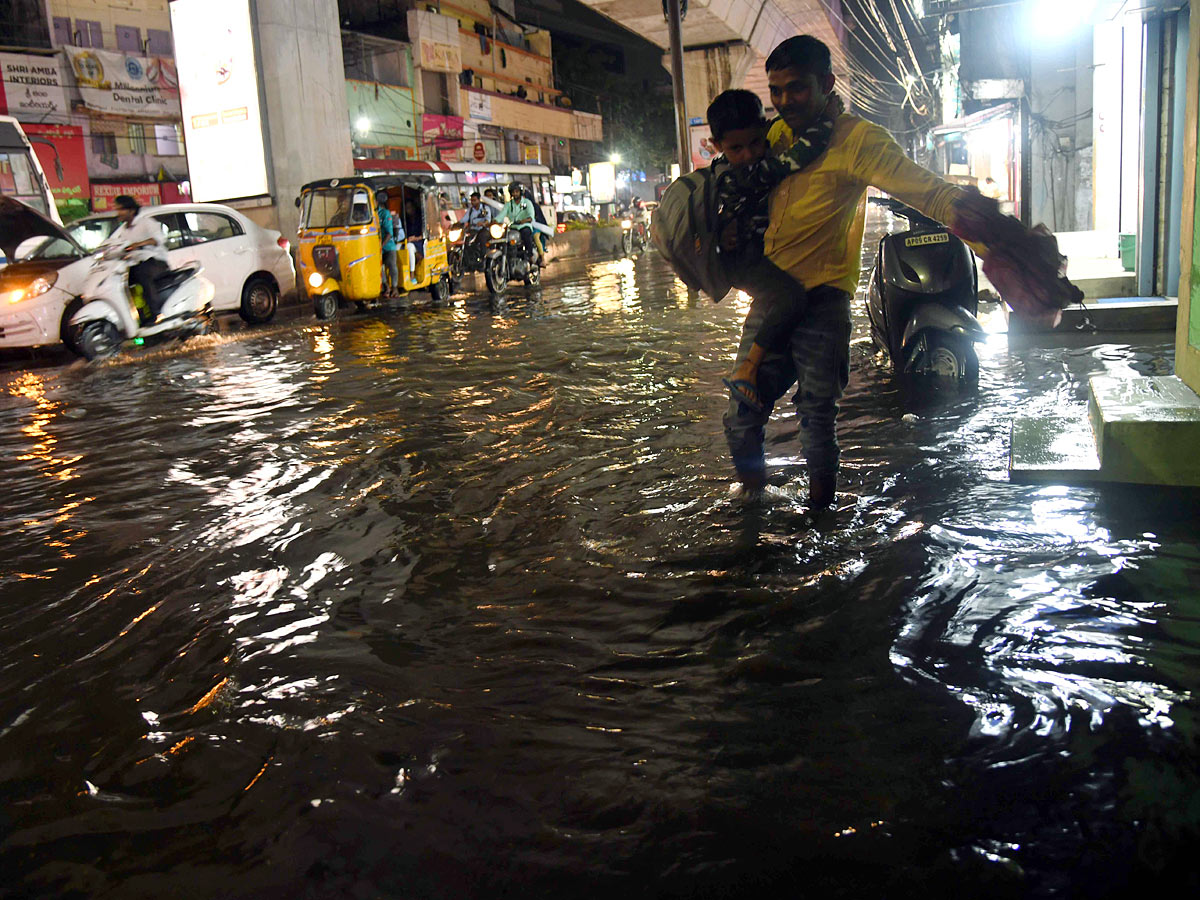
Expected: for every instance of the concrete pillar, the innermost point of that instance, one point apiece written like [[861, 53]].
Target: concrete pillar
[[1187, 330], [304, 87], [708, 71]]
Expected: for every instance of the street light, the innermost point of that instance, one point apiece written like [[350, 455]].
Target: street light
[[615, 158]]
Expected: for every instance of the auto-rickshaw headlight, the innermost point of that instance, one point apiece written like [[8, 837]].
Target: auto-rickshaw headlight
[[316, 279], [455, 234], [496, 230]]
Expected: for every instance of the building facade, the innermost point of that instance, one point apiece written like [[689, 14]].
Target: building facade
[[96, 90]]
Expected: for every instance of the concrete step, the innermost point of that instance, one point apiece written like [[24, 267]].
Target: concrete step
[[1053, 450], [1135, 431]]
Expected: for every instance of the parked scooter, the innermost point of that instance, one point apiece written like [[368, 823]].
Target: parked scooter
[[108, 318], [922, 300], [506, 261]]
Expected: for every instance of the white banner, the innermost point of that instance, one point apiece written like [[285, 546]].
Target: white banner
[[222, 118], [31, 86], [479, 105], [126, 85]]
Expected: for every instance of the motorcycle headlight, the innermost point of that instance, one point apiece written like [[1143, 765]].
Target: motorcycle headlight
[[455, 234], [496, 230], [627, 223]]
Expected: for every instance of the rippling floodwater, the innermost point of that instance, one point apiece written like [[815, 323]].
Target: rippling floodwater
[[459, 603]]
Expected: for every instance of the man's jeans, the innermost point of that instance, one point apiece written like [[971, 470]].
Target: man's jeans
[[818, 363]]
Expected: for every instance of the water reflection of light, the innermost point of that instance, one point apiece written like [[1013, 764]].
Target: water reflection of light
[[614, 288], [1057, 512], [31, 387], [323, 346]]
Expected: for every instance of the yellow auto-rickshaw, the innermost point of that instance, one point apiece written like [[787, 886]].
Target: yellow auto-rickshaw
[[340, 251]]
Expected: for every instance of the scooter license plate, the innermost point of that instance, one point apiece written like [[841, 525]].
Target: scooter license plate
[[939, 237]]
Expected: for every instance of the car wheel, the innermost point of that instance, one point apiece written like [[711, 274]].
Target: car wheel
[[260, 299], [68, 333], [99, 340], [494, 275], [326, 305]]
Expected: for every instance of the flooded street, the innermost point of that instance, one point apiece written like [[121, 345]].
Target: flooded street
[[460, 603]]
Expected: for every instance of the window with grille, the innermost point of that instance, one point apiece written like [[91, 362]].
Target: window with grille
[[137, 138]]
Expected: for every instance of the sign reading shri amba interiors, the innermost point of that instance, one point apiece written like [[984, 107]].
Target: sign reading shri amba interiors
[[30, 87], [219, 90], [126, 85]]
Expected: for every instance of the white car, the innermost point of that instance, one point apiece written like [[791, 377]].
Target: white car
[[40, 275], [40, 286], [249, 266]]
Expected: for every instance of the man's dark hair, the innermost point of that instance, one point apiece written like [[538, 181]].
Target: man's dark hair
[[733, 110], [474, 194], [124, 201], [803, 52]]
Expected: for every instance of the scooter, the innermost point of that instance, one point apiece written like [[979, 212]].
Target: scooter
[[922, 300], [633, 236], [505, 260], [108, 318]]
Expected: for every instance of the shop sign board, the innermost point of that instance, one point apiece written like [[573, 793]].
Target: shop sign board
[[31, 87], [126, 85], [442, 132], [219, 90], [104, 194], [67, 155]]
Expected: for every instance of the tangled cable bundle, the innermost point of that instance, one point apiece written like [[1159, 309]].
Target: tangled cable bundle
[[1023, 263]]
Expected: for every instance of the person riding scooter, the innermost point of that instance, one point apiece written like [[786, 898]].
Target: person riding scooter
[[519, 211], [143, 244]]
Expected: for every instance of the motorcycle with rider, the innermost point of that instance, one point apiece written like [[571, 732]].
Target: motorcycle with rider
[[468, 238]]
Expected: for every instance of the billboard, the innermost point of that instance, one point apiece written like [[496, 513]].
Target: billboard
[[123, 84], [602, 180], [64, 162], [219, 92]]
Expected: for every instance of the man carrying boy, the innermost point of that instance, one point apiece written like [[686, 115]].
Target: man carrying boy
[[815, 235]]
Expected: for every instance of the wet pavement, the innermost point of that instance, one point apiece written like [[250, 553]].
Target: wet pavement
[[460, 603]]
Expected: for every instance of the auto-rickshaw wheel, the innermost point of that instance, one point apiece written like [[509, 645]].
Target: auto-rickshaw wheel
[[439, 291], [326, 305]]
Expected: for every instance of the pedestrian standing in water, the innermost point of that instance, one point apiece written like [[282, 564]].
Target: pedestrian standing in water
[[387, 232], [815, 230]]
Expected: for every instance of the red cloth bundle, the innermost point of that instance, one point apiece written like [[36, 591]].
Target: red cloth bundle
[[1023, 263]]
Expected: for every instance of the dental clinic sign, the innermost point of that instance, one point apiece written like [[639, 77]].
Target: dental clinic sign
[[31, 87], [125, 85]]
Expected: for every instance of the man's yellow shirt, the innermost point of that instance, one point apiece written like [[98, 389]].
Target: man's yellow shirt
[[817, 215]]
